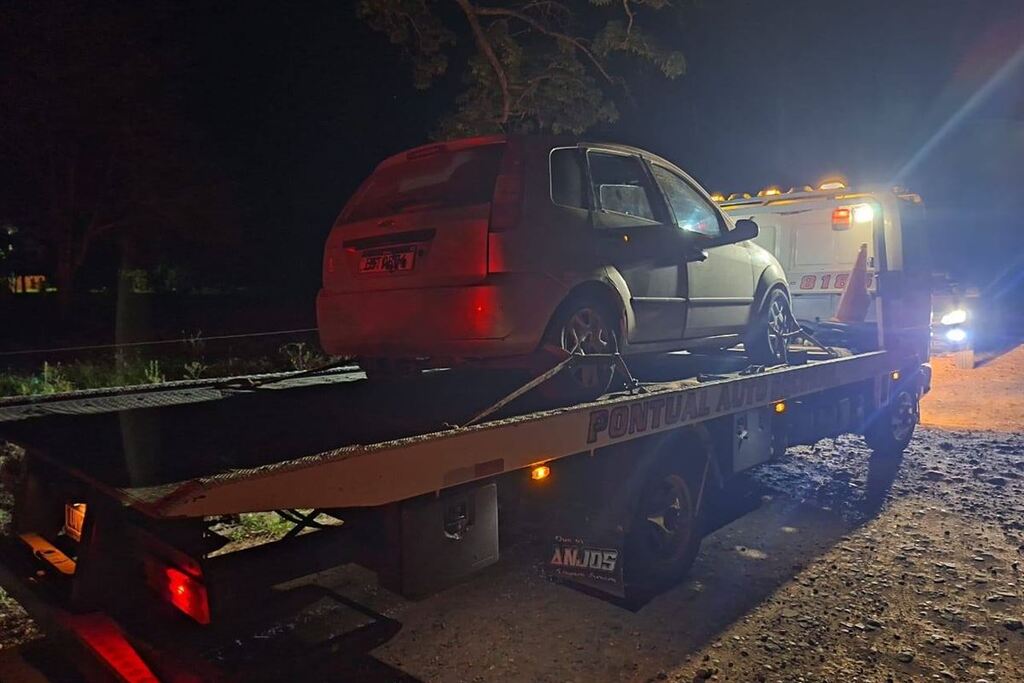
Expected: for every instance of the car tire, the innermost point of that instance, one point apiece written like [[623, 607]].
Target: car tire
[[590, 322], [766, 342], [889, 432], [667, 528]]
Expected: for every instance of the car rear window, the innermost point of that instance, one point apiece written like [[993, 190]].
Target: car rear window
[[431, 180]]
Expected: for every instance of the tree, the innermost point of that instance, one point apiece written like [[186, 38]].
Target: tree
[[537, 65], [93, 145]]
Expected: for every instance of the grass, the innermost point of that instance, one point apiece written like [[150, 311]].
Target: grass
[[126, 368]]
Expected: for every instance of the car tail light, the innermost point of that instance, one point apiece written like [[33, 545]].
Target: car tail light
[[506, 204], [841, 218], [181, 589]]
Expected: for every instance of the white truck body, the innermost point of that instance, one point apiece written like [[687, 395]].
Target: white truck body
[[816, 235]]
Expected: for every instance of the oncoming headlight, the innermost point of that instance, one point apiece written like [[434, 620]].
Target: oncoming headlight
[[955, 317], [956, 335]]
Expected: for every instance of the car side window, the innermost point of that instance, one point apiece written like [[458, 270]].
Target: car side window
[[568, 181], [691, 211], [620, 184]]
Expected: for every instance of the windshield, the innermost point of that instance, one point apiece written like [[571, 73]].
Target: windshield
[[445, 179]]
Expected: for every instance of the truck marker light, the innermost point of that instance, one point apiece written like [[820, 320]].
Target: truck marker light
[[863, 213], [895, 374], [540, 472], [779, 407], [717, 197]]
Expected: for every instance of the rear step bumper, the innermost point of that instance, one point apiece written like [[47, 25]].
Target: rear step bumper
[[489, 320]]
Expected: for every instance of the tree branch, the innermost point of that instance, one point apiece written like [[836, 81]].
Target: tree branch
[[485, 46], [575, 42]]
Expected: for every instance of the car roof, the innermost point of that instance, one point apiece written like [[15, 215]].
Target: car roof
[[535, 141]]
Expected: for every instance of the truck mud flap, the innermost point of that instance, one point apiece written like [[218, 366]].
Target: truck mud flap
[[591, 563]]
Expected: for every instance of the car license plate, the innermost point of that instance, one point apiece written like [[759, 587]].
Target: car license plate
[[390, 261]]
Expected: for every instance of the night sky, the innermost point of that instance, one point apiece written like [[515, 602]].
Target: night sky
[[298, 101]]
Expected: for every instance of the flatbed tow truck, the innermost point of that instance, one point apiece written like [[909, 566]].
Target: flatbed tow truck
[[113, 545]]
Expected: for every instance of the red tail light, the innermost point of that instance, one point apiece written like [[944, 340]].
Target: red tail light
[[507, 202], [841, 218], [184, 591], [104, 638]]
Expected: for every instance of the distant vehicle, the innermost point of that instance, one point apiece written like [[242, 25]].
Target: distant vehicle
[[497, 247]]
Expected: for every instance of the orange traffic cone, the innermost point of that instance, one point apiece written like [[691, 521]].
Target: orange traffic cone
[[855, 300]]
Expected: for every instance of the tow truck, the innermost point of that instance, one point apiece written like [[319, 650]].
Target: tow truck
[[113, 544]]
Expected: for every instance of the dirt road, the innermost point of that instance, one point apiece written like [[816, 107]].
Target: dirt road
[[850, 570]]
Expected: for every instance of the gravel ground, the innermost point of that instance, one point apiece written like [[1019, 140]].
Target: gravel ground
[[848, 569]]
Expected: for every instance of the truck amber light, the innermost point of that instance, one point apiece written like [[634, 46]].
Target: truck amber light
[[779, 407], [540, 472], [74, 518], [895, 375], [182, 590]]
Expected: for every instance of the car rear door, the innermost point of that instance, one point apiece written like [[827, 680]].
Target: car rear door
[[721, 286], [635, 235]]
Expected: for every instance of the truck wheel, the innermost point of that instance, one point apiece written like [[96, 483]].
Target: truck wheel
[[665, 533], [588, 327], [766, 341], [890, 432]]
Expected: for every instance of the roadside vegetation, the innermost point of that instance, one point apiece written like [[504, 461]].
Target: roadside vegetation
[[128, 368]]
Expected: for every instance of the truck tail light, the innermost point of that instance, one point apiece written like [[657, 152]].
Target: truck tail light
[[841, 218], [105, 639], [181, 589], [507, 201]]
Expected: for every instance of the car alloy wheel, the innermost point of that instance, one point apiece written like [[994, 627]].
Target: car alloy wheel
[[778, 328]]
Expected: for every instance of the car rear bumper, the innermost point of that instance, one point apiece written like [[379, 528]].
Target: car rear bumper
[[494, 319]]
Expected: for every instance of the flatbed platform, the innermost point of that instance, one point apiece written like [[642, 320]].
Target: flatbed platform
[[334, 440]]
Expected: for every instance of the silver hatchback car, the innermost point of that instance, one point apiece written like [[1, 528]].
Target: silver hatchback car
[[508, 247]]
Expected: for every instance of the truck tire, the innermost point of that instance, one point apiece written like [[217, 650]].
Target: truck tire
[[766, 341], [890, 432], [666, 530], [592, 319]]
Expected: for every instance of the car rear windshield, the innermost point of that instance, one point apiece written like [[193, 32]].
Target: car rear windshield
[[429, 180]]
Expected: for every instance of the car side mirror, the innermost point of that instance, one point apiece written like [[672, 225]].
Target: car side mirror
[[745, 229]]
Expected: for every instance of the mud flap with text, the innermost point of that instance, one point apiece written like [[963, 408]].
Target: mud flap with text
[[590, 560]]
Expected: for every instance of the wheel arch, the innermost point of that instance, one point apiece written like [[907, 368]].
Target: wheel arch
[[772, 277], [604, 291]]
